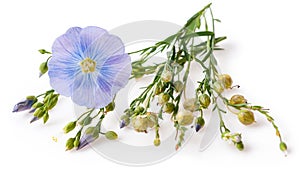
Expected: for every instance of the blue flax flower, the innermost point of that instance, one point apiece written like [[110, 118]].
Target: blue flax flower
[[90, 65]]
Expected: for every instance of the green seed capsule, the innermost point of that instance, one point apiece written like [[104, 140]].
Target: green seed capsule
[[237, 99], [156, 142], [246, 117], [168, 108], [283, 146], [204, 100], [163, 98], [240, 146]]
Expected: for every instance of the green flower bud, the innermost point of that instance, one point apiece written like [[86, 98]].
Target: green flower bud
[[163, 98], [110, 107], [87, 121], [43, 68], [240, 146], [39, 112], [37, 105], [184, 117], [45, 117], [166, 76], [283, 146], [246, 117], [204, 100], [226, 80], [139, 110], [69, 127], [111, 135], [53, 101], [178, 86], [190, 104], [31, 98], [168, 108], [218, 87], [156, 142], [237, 99], [70, 144], [43, 51], [76, 142]]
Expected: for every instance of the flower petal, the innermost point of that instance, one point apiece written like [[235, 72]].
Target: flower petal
[[104, 47], [86, 92], [116, 71], [89, 35]]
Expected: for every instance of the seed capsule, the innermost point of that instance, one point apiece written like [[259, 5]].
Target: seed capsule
[[166, 76], [246, 117], [204, 100], [190, 104], [226, 80], [240, 146], [178, 86], [237, 99], [185, 117], [218, 87], [163, 98], [156, 142], [168, 108]]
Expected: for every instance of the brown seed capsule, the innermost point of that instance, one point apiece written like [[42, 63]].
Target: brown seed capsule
[[237, 99], [225, 80], [204, 100], [246, 117]]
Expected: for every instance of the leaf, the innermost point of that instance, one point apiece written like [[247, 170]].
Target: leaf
[[200, 33]]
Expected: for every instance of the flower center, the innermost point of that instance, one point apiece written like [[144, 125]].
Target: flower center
[[88, 65]]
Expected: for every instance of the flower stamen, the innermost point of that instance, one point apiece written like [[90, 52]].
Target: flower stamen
[[88, 65]]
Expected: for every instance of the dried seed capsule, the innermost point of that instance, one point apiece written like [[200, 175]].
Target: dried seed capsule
[[237, 99], [226, 80], [184, 117], [190, 104], [204, 100], [178, 86], [166, 76], [246, 117]]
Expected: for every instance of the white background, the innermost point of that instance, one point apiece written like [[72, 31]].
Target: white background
[[261, 54]]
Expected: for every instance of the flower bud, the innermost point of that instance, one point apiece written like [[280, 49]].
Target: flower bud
[[226, 80], [237, 99], [163, 98], [190, 104], [110, 107], [53, 101], [43, 51], [240, 146], [39, 112], [168, 108], [70, 144], [33, 98], [77, 142], [166, 76], [125, 120], [139, 110], [43, 68], [111, 135], [156, 142], [45, 117], [178, 85], [37, 105], [246, 117], [69, 127], [218, 87], [87, 121], [199, 123], [204, 100], [184, 117], [283, 146]]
